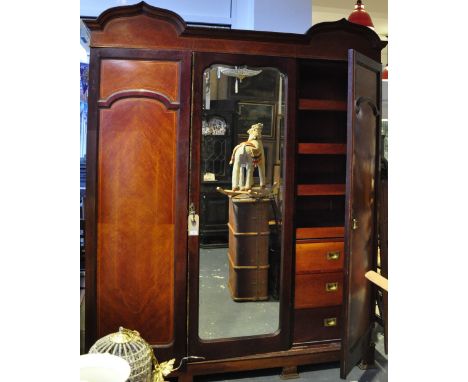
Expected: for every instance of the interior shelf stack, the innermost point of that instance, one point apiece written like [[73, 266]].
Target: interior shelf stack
[[320, 199]]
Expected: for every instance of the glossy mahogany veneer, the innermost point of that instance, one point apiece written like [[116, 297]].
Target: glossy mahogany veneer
[[319, 257]]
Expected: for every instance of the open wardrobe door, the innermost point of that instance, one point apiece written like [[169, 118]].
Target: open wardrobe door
[[364, 99]]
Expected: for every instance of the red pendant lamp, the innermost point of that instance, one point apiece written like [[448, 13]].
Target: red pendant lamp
[[385, 73], [360, 16]]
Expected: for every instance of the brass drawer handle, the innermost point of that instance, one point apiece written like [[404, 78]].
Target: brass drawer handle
[[331, 287], [332, 321], [335, 255]]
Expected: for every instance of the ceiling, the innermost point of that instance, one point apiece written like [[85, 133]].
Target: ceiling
[[328, 10]]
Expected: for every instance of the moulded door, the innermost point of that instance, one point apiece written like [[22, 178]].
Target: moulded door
[[364, 99], [137, 196]]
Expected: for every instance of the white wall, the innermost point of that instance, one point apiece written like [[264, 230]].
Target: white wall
[[204, 11], [243, 14], [332, 10], [267, 15], [294, 16]]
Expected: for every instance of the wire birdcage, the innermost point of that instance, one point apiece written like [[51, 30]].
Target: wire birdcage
[[128, 345]]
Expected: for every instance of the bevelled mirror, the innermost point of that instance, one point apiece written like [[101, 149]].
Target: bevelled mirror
[[241, 201]]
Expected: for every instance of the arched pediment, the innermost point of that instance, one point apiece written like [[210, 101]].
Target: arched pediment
[[140, 8], [330, 28]]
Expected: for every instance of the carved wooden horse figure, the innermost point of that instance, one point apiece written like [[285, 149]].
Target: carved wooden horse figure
[[248, 155]]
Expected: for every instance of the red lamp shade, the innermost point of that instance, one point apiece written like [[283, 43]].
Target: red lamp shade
[[360, 16], [385, 73]]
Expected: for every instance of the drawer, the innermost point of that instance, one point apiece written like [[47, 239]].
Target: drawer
[[319, 257], [317, 324], [319, 232], [319, 289]]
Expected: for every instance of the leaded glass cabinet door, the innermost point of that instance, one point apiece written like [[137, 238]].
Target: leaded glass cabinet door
[[216, 147]]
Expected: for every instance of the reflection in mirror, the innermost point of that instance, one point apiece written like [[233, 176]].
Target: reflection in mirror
[[241, 201]]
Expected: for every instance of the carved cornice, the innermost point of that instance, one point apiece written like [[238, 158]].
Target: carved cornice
[[194, 38], [140, 8], [345, 25]]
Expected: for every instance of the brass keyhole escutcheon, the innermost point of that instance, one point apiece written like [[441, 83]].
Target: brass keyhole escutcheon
[[192, 212], [355, 223], [193, 221]]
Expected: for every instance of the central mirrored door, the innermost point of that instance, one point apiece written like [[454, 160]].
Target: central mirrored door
[[240, 248]]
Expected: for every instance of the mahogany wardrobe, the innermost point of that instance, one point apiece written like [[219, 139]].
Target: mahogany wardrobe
[[167, 104]]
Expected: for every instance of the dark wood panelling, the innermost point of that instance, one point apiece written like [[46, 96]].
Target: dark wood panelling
[[91, 201], [320, 211], [312, 325], [383, 246], [136, 264], [328, 39], [361, 212], [115, 77], [323, 83], [322, 127], [321, 168], [311, 290], [136, 219], [319, 257]]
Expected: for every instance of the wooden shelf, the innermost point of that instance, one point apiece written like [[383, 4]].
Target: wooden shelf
[[320, 189], [321, 148], [319, 232], [322, 104]]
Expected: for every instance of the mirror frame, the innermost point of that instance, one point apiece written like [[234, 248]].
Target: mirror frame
[[281, 339]]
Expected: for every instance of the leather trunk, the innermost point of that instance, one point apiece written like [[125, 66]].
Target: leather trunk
[[248, 248]]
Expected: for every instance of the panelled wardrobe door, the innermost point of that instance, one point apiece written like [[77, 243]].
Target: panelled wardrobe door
[[139, 135], [363, 164]]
